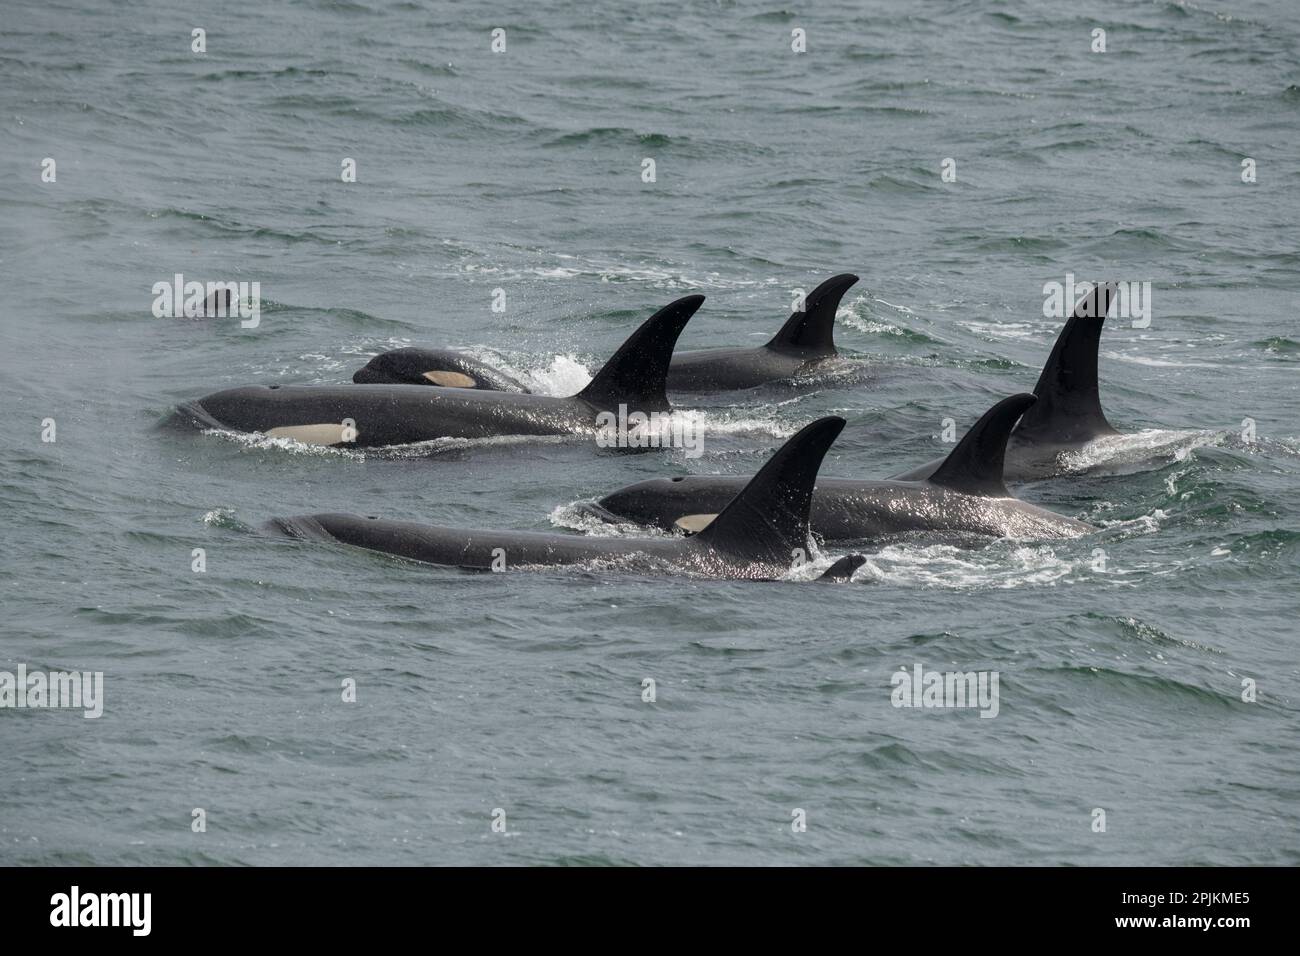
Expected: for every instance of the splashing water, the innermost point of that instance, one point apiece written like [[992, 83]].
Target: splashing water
[[1120, 454]]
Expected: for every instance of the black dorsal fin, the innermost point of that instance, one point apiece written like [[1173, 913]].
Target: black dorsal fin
[[975, 465], [1069, 402], [842, 570], [768, 520], [637, 374], [813, 329]]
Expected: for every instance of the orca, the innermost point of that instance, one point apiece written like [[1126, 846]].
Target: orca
[[964, 495], [1067, 415], [366, 416], [806, 339], [443, 367], [761, 534]]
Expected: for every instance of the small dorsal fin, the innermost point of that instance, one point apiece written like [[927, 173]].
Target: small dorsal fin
[[843, 569], [975, 465], [813, 329], [1069, 401], [637, 374], [768, 520]]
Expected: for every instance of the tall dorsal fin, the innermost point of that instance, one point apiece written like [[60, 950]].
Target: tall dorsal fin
[[637, 374], [975, 465], [1069, 403], [768, 520], [813, 329]]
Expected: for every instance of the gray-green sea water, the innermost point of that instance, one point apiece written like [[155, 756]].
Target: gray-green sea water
[[1123, 656]]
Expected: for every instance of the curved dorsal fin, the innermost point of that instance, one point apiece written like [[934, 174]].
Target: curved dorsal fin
[[842, 570], [813, 329], [768, 520], [637, 374], [1069, 402], [975, 465]]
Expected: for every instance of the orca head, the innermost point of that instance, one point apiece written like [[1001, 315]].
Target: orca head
[[415, 367], [656, 503]]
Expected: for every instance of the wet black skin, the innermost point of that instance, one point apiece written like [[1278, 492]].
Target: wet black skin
[[721, 370], [1067, 416], [804, 342], [845, 509], [393, 414], [965, 494], [401, 414], [408, 367], [464, 548], [760, 535]]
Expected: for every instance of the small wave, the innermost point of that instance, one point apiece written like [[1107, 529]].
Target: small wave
[[1132, 527], [224, 518], [615, 134], [1155, 362], [259, 442], [1150, 687], [1138, 449], [575, 517], [1132, 628], [1278, 345], [1002, 330], [861, 313], [655, 276], [1288, 446], [948, 566], [898, 185]]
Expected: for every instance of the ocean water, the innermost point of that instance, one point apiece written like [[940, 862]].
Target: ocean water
[[1121, 655]]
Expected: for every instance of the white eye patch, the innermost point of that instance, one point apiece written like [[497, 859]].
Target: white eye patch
[[326, 433], [694, 524], [451, 379]]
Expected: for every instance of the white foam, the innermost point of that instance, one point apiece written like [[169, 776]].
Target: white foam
[[1138, 448], [947, 566], [572, 516], [1002, 330], [259, 441], [1155, 362], [1142, 524], [370, 351], [659, 277], [851, 315], [564, 375]]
